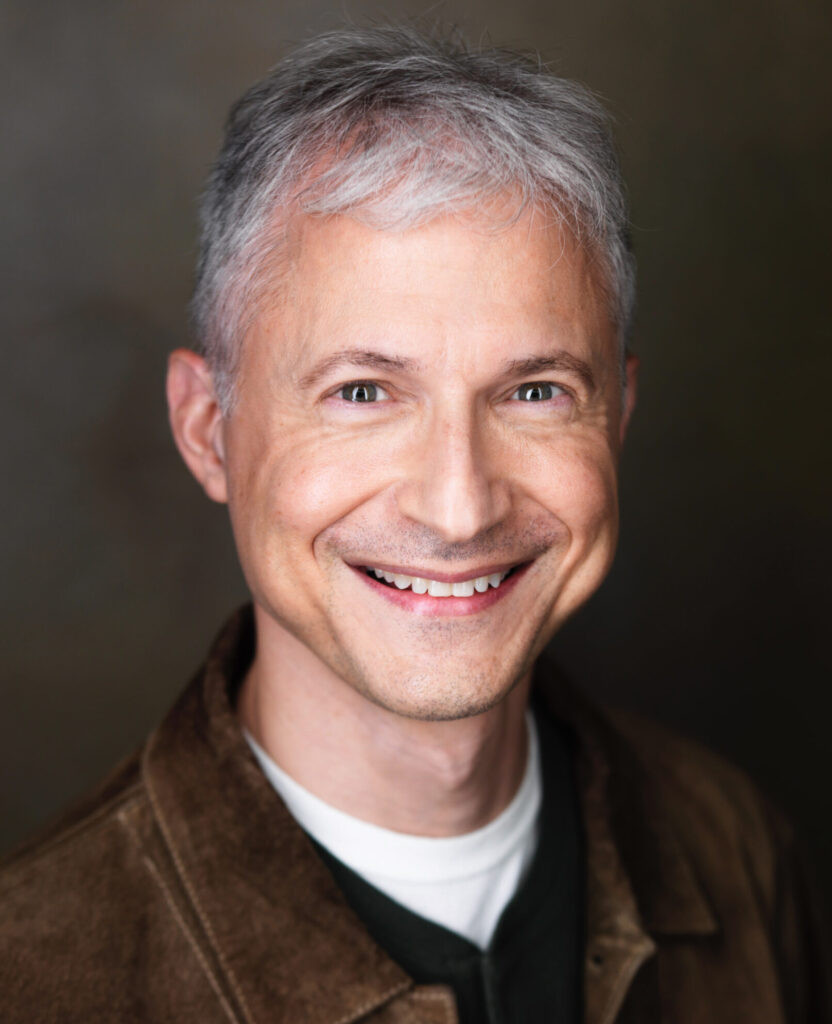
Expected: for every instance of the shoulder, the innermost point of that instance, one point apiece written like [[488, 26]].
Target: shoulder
[[714, 806], [54, 865], [75, 826], [70, 900], [745, 854], [695, 778], [742, 848], [684, 767]]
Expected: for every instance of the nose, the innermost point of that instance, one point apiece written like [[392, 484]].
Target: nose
[[455, 485]]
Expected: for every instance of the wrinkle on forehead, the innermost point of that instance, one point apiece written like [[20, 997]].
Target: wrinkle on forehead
[[449, 276]]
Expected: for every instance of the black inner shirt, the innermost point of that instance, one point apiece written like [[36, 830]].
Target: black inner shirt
[[531, 972]]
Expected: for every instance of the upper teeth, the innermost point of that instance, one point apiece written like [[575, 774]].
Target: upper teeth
[[436, 588]]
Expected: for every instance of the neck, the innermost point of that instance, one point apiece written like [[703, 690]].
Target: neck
[[419, 777]]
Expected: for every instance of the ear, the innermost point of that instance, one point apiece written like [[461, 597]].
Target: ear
[[631, 366], [196, 421]]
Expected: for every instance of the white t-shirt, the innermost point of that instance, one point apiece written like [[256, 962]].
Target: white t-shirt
[[462, 882]]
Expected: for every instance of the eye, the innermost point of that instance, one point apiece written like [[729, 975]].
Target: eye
[[361, 391], [537, 391]]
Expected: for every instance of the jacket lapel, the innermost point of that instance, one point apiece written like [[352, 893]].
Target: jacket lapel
[[640, 883], [273, 918]]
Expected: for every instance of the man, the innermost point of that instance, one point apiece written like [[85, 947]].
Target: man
[[377, 801]]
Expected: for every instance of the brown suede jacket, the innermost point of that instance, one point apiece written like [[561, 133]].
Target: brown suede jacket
[[184, 891]]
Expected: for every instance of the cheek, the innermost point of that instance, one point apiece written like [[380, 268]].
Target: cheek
[[289, 494], [578, 485]]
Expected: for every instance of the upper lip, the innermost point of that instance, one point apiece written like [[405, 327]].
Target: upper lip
[[438, 575]]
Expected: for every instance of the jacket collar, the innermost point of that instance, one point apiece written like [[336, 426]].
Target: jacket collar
[[640, 882], [635, 857], [291, 948], [273, 916]]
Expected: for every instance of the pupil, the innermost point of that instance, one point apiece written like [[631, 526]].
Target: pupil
[[538, 392], [362, 392]]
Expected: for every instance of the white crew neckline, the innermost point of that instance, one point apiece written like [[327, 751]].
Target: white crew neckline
[[383, 853]]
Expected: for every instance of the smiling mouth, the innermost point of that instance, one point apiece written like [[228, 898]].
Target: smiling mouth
[[440, 588]]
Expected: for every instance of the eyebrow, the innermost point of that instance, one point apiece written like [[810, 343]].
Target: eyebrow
[[363, 357], [369, 359], [560, 362]]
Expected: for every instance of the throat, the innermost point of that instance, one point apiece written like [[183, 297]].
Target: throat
[[412, 775]]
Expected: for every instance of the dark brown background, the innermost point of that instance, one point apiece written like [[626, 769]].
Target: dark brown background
[[116, 571]]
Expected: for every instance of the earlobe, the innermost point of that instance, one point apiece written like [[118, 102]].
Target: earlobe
[[196, 421], [631, 367]]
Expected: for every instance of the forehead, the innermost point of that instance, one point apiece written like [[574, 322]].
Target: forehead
[[458, 286]]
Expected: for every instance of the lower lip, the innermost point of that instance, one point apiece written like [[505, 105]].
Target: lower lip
[[424, 604]]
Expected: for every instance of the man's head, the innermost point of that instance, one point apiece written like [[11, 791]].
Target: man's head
[[413, 291]]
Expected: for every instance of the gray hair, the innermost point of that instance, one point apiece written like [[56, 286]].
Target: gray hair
[[395, 128]]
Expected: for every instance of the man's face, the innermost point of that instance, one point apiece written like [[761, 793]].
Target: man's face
[[441, 404]]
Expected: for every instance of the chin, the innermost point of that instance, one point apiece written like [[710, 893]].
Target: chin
[[445, 695]]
